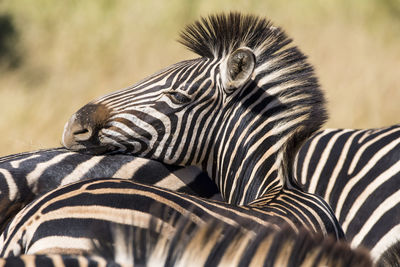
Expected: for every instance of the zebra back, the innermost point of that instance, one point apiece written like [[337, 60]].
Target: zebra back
[[218, 244], [25, 176], [211, 243], [62, 220], [357, 172]]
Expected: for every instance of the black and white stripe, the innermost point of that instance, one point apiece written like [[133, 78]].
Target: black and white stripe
[[62, 221], [57, 260], [358, 173], [25, 176]]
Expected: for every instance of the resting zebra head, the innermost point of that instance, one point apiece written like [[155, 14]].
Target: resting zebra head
[[234, 111]]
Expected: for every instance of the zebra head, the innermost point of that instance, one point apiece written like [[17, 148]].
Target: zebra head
[[234, 111], [159, 116]]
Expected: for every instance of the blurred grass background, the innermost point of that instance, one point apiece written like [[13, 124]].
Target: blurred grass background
[[56, 56]]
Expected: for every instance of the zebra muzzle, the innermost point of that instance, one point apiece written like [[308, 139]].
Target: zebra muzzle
[[81, 130]]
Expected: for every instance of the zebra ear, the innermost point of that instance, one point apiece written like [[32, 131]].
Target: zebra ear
[[239, 68]]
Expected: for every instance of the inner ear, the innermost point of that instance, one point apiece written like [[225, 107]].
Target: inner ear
[[239, 68]]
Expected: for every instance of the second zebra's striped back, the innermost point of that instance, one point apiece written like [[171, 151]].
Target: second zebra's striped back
[[25, 176], [211, 243], [358, 173], [62, 220]]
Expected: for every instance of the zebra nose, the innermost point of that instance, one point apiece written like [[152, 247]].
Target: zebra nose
[[81, 131]]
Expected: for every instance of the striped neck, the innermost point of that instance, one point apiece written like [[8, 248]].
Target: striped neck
[[251, 154]]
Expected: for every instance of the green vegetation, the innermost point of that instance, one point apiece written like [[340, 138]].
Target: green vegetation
[[69, 52]]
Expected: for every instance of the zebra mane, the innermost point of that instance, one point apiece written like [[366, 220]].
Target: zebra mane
[[391, 256], [217, 35]]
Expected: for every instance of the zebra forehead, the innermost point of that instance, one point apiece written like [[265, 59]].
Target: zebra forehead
[[218, 35]]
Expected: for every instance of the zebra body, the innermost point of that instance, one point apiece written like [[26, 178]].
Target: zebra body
[[358, 173], [25, 176], [210, 244], [62, 221], [216, 244], [314, 166]]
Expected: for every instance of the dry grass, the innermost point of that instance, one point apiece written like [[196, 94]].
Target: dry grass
[[73, 51]]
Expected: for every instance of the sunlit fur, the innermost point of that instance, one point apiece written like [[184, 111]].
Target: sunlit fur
[[209, 244], [246, 139], [216, 244]]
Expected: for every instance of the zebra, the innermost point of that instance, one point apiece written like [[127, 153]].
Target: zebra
[[357, 172], [45, 165], [25, 176], [40, 168], [45, 226], [209, 244], [241, 121], [239, 112]]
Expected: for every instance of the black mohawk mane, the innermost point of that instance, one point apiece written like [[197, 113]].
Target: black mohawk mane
[[218, 35]]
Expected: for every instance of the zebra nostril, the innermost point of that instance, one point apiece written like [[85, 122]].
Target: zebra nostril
[[83, 131], [75, 133], [82, 134]]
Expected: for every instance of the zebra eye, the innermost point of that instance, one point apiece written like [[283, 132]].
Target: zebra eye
[[177, 97]]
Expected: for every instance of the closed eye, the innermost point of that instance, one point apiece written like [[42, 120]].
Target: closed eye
[[178, 97]]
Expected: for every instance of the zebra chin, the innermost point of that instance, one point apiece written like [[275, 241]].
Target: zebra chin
[[95, 150], [102, 144], [132, 148]]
